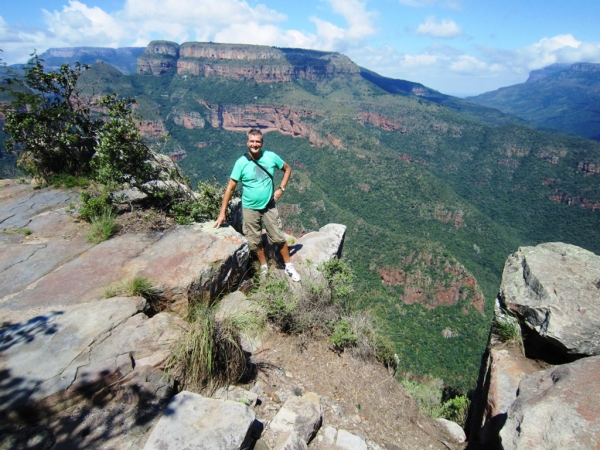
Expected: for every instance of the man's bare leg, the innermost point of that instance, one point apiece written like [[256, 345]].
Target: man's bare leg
[[285, 252], [260, 254]]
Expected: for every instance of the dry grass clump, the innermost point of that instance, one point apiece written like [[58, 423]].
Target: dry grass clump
[[209, 353], [138, 287]]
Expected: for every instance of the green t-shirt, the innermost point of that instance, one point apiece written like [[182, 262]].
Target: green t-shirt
[[257, 188]]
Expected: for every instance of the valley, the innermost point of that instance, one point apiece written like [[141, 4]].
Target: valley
[[435, 192]]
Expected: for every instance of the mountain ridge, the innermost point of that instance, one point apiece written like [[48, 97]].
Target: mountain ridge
[[561, 97]]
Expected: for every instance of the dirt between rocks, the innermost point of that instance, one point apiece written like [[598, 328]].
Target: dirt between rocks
[[144, 221], [358, 396]]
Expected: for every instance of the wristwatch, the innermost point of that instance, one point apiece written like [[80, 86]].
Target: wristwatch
[[282, 188]]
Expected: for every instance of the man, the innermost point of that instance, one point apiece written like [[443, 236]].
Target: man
[[259, 196]]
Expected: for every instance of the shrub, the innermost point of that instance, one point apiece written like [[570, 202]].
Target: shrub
[[205, 206], [340, 278], [94, 204], [278, 304], [49, 124], [343, 335], [121, 155], [429, 398]]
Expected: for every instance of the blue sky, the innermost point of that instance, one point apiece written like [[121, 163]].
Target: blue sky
[[459, 47]]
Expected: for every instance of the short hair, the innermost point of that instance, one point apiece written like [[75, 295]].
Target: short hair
[[255, 132]]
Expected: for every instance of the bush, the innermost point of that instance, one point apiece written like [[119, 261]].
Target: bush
[[206, 206], [343, 335], [49, 124], [51, 127], [340, 278], [429, 395], [121, 156], [507, 328], [138, 287], [279, 305], [95, 204]]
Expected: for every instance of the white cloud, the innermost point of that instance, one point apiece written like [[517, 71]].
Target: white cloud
[[446, 29], [141, 21], [452, 4]]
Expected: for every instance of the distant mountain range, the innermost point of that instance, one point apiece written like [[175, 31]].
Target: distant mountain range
[[560, 97], [436, 191], [123, 59]]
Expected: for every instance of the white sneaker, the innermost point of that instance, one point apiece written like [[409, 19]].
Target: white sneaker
[[289, 269], [264, 271]]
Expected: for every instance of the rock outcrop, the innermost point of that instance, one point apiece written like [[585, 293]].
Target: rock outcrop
[[82, 370], [537, 384], [260, 63]]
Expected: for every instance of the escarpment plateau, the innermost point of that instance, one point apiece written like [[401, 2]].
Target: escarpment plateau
[[242, 62]]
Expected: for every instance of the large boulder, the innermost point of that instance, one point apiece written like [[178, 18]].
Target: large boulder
[[192, 421], [554, 289], [556, 409], [551, 295], [299, 415]]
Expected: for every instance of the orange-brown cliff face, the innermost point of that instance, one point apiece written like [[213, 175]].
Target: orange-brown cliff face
[[255, 62], [418, 287]]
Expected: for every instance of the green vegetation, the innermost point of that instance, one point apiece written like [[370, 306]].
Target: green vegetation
[[23, 231], [507, 328], [48, 124], [205, 206], [435, 193], [429, 396], [328, 310], [102, 226], [138, 286], [69, 181]]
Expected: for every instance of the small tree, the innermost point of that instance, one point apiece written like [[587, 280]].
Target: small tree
[[49, 124], [121, 154]]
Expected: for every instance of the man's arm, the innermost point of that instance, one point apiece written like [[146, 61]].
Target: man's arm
[[287, 172], [226, 197]]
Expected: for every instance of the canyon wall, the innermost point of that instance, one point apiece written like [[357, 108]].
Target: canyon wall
[[261, 63]]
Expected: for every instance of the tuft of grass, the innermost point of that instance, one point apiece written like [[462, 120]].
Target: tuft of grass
[[208, 353], [69, 181], [102, 227], [507, 328], [136, 287], [23, 231]]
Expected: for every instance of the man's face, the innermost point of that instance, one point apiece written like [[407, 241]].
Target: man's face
[[254, 143]]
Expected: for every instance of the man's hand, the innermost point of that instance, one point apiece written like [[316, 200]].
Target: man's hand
[[278, 193], [226, 197], [220, 221]]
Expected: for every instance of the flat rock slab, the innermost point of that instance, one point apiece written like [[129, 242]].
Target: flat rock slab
[[192, 421], [555, 289], [556, 409], [20, 202], [91, 346], [188, 263]]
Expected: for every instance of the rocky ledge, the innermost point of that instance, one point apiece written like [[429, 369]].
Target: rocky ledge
[[539, 386], [80, 369]]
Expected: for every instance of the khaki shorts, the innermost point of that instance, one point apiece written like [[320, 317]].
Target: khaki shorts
[[253, 228]]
